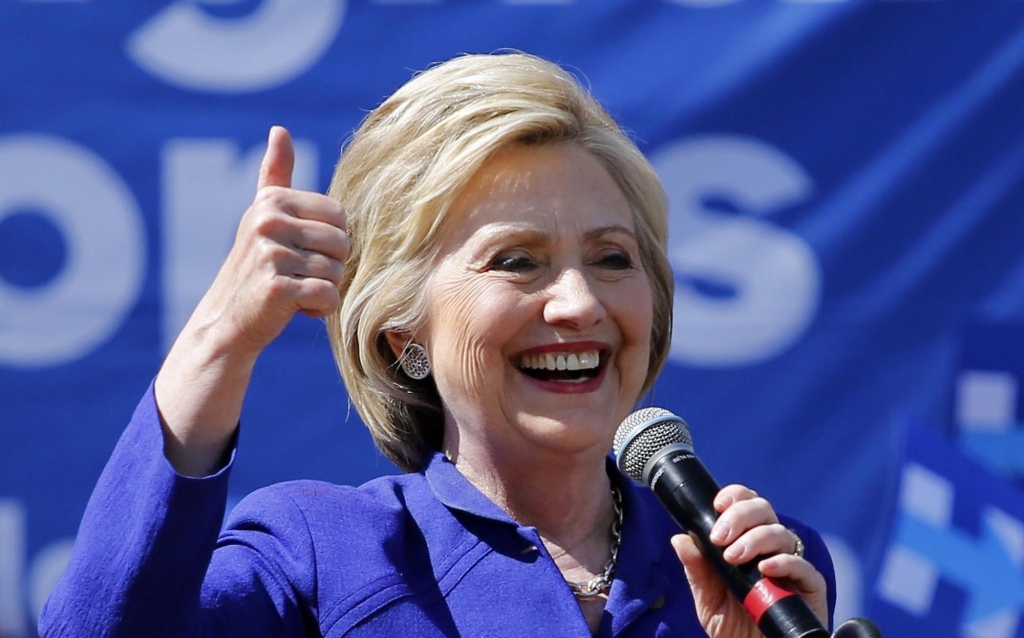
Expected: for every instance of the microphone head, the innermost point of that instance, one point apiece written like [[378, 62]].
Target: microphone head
[[642, 434]]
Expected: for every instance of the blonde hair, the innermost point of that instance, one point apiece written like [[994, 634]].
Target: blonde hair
[[398, 177]]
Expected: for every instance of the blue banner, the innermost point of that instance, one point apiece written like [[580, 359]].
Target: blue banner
[[846, 180], [954, 561], [988, 414]]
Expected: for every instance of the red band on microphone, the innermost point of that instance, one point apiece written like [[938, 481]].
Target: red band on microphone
[[763, 595]]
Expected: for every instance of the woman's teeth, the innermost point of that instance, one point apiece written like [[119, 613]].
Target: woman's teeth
[[561, 361]]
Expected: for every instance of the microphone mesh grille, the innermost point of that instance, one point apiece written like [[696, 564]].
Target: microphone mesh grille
[[643, 433]]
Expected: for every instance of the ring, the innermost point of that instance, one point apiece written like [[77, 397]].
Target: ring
[[798, 550]]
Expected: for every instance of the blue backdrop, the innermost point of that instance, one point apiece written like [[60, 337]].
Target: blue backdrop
[[847, 196]]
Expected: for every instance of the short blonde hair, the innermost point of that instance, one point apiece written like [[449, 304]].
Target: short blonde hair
[[398, 177]]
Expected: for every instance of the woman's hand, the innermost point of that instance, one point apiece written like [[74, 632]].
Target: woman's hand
[[287, 257], [747, 527]]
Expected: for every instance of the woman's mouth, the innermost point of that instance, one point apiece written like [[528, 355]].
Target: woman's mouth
[[568, 367]]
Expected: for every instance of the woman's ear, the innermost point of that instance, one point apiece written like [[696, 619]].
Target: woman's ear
[[398, 341]]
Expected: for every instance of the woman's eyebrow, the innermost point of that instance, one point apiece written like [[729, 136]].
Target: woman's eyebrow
[[519, 232], [528, 235], [596, 233]]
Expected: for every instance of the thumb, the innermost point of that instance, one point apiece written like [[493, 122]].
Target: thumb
[[698, 569], [718, 611], [704, 580], [278, 161]]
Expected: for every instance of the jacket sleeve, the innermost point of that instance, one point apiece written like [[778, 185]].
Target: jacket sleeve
[[816, 552], [144, 549]]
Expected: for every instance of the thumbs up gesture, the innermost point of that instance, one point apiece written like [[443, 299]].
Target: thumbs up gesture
[[287, 257]]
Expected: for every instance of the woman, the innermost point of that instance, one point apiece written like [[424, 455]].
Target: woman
[[503, 305]]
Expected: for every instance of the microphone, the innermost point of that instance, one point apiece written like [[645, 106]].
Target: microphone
[[653, 447], [857, 628]]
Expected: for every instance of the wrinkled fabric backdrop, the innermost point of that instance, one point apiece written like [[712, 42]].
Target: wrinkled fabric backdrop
[[846, 181]]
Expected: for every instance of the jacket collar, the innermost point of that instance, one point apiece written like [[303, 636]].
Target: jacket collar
[[456, 492], [644, 544]]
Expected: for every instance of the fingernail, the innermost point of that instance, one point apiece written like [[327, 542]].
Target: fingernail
[[719, 533], [734, 551]]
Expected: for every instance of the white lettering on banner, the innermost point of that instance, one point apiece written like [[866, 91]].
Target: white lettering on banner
[[849, 578], [532, 2], [986, 563], [751, 288], [102, 227], [42, 576], [708, 4], [702, 3], [12, 566], [207, 185], [185, 46], [907, 579], [689, 3], [47, 568]]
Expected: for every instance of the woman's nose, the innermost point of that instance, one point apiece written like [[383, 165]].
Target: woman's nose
[[572, 301]]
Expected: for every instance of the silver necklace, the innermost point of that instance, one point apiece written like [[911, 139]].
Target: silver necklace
[[597, 585]]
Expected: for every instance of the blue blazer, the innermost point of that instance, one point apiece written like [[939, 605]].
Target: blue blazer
[[421, 554]]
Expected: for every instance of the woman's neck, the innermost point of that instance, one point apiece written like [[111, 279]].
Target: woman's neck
[[567, 498], [562, 496]]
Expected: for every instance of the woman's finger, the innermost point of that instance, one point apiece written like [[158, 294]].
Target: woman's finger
[[301, 205], [319, 297], [741, 516], [304, 264], [709, 591], [317, 237], [762, 540], [797, 575], [731, 494]]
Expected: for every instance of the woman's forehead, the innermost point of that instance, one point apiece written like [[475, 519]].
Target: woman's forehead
[[548, 189]]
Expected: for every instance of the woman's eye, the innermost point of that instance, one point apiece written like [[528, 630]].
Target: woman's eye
[[615, 261], [513, 263]]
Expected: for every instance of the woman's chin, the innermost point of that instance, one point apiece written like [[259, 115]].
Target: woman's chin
[[579, 432]]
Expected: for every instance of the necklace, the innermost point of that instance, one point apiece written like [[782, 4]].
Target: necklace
[[597, 585]]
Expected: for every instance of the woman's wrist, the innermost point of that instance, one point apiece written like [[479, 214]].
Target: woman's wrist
[[199, 393]]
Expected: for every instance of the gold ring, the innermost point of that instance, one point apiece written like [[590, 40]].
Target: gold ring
[[798, 550]]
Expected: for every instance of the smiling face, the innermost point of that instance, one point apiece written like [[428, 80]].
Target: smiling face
[[539, 312]]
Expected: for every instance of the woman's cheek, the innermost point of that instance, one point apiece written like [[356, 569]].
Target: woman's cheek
[[466, 335], [636, 328]]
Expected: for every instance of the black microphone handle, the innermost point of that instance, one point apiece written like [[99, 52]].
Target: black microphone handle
[[857, 628], [687, 490]]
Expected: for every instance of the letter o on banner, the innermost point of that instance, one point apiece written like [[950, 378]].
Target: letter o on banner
[[98, 216]]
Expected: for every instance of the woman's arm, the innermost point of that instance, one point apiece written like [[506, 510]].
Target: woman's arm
[[151, 525], [287, 257], [144, 562]]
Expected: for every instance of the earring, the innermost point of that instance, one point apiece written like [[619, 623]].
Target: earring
[[415, 362]]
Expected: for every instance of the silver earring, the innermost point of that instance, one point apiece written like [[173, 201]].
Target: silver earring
[[415, 361]]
